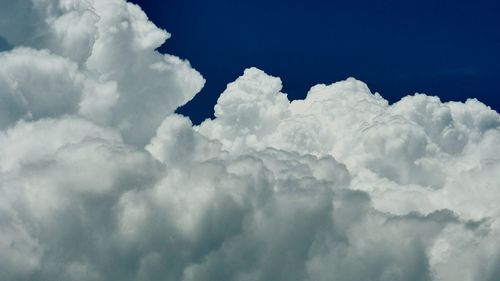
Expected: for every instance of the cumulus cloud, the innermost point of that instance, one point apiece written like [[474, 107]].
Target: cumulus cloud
[[100, 180], [115, 76]]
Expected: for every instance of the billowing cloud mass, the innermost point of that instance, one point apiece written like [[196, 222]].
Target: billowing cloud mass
[[101, 180]]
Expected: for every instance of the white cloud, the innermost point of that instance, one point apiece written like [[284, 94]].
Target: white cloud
[[110, 42], [99, 180], [418, 145]]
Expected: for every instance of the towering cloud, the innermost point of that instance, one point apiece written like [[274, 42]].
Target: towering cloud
[[114, 76], [100, 180]]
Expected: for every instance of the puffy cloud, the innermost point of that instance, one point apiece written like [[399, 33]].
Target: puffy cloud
[[99, 180], [111, 43], [417, 155], [417, 145], [37, 84]]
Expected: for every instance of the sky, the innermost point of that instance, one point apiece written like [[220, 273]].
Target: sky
[[101, 179], [445, 48]]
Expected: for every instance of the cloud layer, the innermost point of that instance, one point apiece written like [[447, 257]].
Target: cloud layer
[[100, 180]]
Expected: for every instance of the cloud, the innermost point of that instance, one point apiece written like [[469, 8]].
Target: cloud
[[100, 180], [417, 145], [99, 42]]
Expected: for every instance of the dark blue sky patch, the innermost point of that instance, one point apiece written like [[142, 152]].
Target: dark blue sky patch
[[4, 44], [446, 48]]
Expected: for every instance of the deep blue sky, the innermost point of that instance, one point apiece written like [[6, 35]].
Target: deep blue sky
[[446, 48]]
